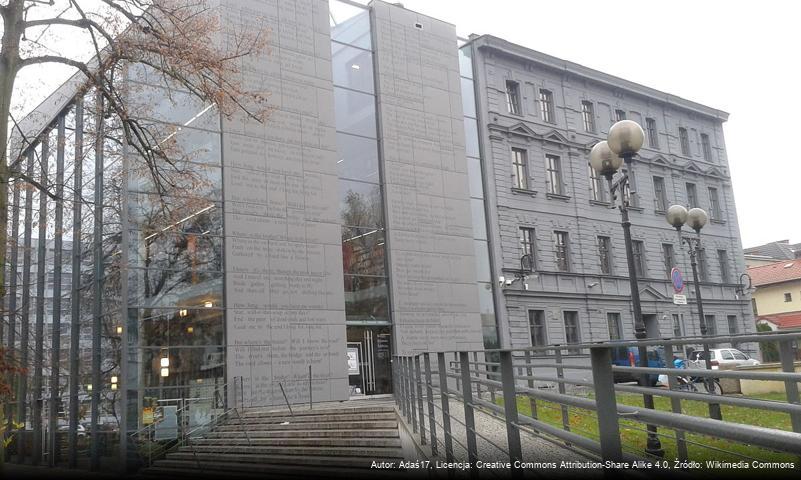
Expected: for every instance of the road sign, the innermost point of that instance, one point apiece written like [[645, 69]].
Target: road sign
[[677, 279], [679, 299]]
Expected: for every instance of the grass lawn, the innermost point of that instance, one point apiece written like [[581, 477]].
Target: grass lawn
[[700, 447]]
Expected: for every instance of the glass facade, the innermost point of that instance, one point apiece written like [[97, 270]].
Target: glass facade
[[474, 163]]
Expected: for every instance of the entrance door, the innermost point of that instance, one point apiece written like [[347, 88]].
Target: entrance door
[[651, 326], [369, 355]]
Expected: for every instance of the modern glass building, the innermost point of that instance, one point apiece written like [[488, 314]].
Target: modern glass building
[[382, 208]]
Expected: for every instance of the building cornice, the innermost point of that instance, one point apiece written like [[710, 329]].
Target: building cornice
[[489, 42]]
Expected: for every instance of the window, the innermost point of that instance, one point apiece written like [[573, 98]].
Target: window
[[519, 169], [703, 270], [738, 355], [660, 196], [613, 322], [620, 115], [726, 355], [706, 147], [678, 325], [653, 135], [513, 97], [638, 249], [562, 251], [723, 261], [539, 334], [788, 297], [669, 257], [605, 254], [528, 243], [546, 105], [692, 195], [588, 115], [732, 320], [711, 326], [554, 166], [684, 140], [714, 204], [598, 193], [572, 334]]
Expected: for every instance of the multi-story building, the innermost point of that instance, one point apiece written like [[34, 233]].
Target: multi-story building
[[383, 208], [539, 117]]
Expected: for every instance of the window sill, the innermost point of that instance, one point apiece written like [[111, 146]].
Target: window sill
[[660, 212], [717, 221], [524, 191], [558, 196], [635, 209]]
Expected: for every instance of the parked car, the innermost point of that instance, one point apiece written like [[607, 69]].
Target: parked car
[[723, 358], [627, 356], [81, 429]]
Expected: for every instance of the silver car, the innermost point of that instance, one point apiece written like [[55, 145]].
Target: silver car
[[724, 358]]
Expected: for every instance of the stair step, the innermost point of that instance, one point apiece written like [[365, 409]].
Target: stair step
[[374, 424], [256, 412], [330, 433], [317, 461], [303, 441], [189, 468], [319, 451], [328, 417]]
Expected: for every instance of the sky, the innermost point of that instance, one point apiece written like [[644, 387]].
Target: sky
[[724, 54]]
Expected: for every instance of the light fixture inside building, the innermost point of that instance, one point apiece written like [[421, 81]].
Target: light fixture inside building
[[165, 361], [190, 329], [208, 304], [113, 386], [89, 387], [119, 329], [183, 312], [113, 379], [355, 67], [165, 372]]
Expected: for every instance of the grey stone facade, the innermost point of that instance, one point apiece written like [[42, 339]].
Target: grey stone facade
[[583, 288]]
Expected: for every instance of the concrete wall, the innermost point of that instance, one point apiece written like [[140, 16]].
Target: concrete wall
[[434, 297], [584, 288], [283, 253], [770, 298]]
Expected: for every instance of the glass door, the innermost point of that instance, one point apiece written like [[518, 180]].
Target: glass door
[[369, 354]]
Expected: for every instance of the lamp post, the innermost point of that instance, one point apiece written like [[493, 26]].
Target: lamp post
[[696, 218], [624, 141]]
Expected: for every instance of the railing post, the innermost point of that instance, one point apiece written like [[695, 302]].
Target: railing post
[[606, 403], [418, 380], [432, 425], [469, 415], [475, 360], [532, 402], [560, 374], [401, 385], [675, 404], [791, 386], [510, 412], [458, 382], [412, 392], [446, 410], [395, 388]]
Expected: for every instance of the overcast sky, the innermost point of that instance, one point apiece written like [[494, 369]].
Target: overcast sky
[[741, 57]]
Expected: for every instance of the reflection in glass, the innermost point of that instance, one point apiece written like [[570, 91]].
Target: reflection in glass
[[363, 251], [185, 365], [355, 112], [482, 261], [352, 67], [479, 224], [468, 98], [474, 177], [471, 137], [465, 62], [360, 204], [349, 24], [181, 327], [357, 158], [171, 106], [365, 298], [176, 251], [153, 213], [192, 178], [149, 287]]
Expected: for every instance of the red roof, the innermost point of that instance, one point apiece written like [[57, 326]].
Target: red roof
[[783, 320], [778, 272]]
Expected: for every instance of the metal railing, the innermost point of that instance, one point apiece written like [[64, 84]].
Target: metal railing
[[572, 399]]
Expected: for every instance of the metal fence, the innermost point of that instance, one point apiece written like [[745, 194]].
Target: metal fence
[[533, 393]]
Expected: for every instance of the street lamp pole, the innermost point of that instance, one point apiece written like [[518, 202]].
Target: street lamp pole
[[677, 216], [624, 141]]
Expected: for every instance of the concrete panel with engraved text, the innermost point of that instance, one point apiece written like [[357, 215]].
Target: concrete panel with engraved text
[[283, 246], [429, 224]]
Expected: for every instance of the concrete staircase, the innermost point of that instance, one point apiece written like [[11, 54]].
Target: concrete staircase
[[331, 442]]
